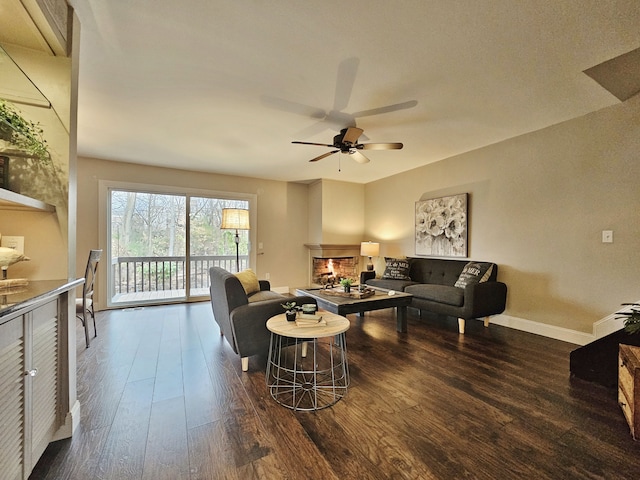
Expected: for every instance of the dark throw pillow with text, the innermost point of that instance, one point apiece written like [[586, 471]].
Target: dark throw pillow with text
[[396, 269], [474, 272]]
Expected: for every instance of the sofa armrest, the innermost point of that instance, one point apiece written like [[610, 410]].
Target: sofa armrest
[[367, 275], [264, 285], [484, 299]]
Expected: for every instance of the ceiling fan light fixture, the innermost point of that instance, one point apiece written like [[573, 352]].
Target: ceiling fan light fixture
[[347, 142]]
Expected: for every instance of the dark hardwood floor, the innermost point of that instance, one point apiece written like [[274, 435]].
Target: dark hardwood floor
[[163, 397]]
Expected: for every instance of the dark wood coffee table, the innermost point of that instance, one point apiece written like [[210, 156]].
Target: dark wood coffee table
[[342, 305]]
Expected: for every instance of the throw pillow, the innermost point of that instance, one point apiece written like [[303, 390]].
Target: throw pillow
[[249, 281], [474, 272], [396, 269]]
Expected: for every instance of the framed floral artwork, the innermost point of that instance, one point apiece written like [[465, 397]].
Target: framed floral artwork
[[441, 226]]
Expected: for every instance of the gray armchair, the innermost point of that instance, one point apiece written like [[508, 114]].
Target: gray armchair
[[242, 319]]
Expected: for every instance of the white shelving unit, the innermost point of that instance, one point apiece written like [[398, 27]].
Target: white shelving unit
[[14, 201]]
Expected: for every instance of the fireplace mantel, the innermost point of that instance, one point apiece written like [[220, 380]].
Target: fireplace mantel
[[332, 247]]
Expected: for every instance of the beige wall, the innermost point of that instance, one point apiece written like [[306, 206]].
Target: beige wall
[[538, 204], [336, 212], [282, 211], [45, 234]]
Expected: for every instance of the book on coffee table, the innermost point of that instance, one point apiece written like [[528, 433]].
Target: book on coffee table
[[309, 320]]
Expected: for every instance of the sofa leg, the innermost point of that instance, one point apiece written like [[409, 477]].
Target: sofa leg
[[245, 364], [486, 321], [304, 349], [461, 325]]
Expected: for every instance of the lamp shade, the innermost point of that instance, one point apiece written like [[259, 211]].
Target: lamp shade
[[235, 219], [369, 249]]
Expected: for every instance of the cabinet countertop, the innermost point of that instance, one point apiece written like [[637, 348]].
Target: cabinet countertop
[[18, 298]]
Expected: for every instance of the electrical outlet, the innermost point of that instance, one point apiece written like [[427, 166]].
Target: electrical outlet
[[17, 243], [607, 236]]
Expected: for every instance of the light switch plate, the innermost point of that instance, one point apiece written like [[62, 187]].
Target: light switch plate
[[607, 236], [17, 243]]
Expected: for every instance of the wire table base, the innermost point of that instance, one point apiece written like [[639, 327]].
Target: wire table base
[[307, 374]]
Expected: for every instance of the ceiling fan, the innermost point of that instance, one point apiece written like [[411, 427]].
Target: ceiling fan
[[347, 142]]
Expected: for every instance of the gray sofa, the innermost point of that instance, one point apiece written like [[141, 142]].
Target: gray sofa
[[432, 283], [242, 318]]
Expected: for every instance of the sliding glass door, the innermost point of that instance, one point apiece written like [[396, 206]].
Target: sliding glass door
[[209, 245], [162, 245]]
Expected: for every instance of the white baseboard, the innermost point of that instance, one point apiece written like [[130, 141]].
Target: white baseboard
[[71, 422], [607, 325], [283, 290], [551, 331], [603, 327], [610, 323]]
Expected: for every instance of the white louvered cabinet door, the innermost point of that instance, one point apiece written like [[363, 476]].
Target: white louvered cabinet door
[[43, 380], [12, 399]]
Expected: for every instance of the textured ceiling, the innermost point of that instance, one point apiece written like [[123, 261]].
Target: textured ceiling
[[227, 86]]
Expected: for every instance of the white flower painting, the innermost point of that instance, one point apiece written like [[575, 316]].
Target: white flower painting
[[441, 226]]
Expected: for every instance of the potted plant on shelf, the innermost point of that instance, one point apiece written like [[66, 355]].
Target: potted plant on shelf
[[290, 310], [23, 134], [631, 318], [346, 284]]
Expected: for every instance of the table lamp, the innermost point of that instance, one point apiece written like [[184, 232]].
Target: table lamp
[[369, 249]]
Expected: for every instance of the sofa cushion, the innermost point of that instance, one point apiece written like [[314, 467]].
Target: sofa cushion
[[437, 293], [396, 269], [264, 295], [249, 281], [397, 285], [474, 272]]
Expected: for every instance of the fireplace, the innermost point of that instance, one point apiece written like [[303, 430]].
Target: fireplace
[[330, 263], [332, 269]]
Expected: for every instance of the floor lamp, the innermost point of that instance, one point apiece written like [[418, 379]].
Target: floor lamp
[[235, 219]]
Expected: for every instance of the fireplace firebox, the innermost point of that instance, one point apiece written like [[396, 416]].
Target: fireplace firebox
[[331, 263]]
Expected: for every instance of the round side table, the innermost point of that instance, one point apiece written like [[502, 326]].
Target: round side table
[[307, 367]]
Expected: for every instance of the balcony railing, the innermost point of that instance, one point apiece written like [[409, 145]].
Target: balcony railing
[[167, 274]]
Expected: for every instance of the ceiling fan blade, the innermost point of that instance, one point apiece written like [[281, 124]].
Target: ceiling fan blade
[[351, 135], [387, 109], [323, 156], [293, 107], [310, 143], [379, 146], [312, 130], [347, 70], [358, 157]]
